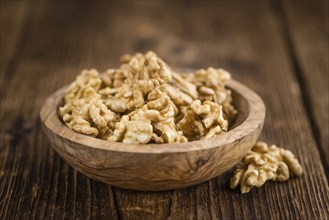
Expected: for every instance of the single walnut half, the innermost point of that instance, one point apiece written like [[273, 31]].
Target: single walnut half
[[90, 116], [264, 163], [166, 132], [144, 73], [204, 120], [135, 127], [176, 95], [185, 86], [191, 126], [210, 112]]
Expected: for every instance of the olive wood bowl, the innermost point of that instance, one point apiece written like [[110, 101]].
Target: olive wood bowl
[[155, 167]]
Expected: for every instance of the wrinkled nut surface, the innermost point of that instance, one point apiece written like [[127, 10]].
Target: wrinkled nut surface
[[265, 163], [145, 101]]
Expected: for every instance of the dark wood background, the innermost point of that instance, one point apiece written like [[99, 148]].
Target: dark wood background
[[279, 49]]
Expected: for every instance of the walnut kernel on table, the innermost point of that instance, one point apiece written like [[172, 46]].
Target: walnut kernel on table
[[264, 163], [145, 101]]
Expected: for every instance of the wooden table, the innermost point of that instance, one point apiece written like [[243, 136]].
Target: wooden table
[[279, 49]]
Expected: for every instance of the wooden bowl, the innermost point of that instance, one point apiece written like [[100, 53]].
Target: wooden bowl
[[153, 167]]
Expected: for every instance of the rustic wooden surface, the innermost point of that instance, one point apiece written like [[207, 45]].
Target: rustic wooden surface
[[279, 49], [312, 73]]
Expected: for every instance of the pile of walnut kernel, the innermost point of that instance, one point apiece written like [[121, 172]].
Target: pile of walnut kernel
[[264, 163], [145, 101]]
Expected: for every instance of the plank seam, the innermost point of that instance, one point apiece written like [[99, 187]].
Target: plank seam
[[115, 201]]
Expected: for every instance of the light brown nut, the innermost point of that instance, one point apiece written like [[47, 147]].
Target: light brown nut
[[100, 114], [120, 129], [83, 126], [190, 125], [211, 86], [212, 77], [210, 112], [108, 91], [135, 128], [145, 114], [161, 102], [200, 109], [282, 173], [264, 163], [87, 114], [87, 79], [85, 87], [157, 139], [113, 78], [108, 77], [214, 131], [237, 178], [177, 96], [184, 85], [292, 162], [182, 110], [138, 132], [116, 104], [206, 90], [168, 132], [144, 73], [65, 110], [163, 122]]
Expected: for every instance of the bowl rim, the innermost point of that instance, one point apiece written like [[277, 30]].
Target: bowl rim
[[254, 120]]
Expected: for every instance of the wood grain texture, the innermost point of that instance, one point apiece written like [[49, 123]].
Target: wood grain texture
[[245, 38], [157, 167], [308, 27]]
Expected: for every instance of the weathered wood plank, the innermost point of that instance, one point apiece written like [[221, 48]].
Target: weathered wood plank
[[34, 181], [307, 23], [244, 38]]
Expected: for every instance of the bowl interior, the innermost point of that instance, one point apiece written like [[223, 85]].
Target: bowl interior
[[239, 102], [242, 107]]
